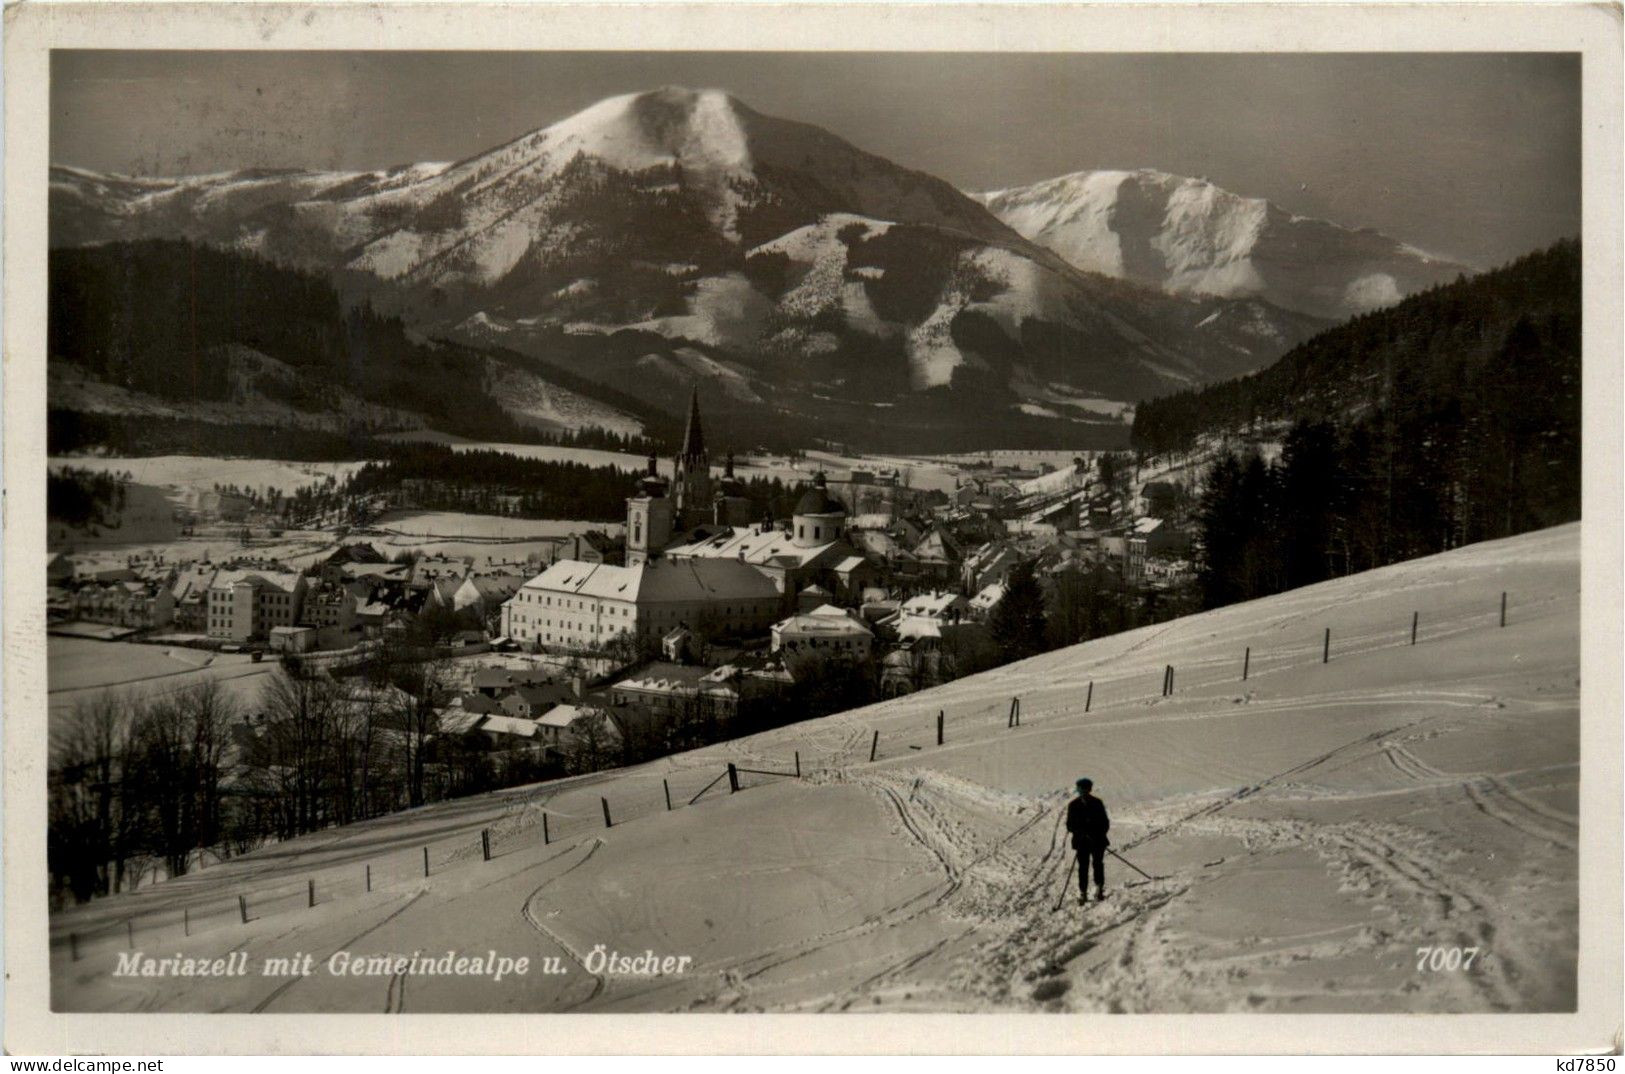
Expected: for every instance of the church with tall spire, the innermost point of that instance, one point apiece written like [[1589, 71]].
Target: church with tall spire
[[691, 472]]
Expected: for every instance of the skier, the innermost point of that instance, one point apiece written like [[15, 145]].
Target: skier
[[1087, 821]]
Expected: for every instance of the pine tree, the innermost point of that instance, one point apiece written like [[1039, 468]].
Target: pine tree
[[1018, 621]]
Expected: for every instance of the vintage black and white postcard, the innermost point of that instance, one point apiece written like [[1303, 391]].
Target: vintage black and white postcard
[[1056, 512]]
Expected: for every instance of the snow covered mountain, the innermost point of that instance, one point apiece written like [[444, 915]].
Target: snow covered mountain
[[767, 258], [1188, 236]]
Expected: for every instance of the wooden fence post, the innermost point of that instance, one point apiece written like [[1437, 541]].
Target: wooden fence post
[[798, 764], [1246, 663], [1415, 616], [667, 787], [485, 843], [940, 715], [242, 907], [1089, 698], [874, 745], [310, 893], [1503, 607], [605, 803], [733, 778], [129, 929], [425, 861], [369, 877], [186, 921], [546, 838], [1326, 647]]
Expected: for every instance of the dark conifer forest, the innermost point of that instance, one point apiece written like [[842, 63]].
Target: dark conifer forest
[[1450, 418]]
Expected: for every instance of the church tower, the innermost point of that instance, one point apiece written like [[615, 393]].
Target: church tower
[[732, 506], [648, 518], [691, 481]]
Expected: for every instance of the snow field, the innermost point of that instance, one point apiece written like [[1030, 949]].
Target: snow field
[[1309, 829]]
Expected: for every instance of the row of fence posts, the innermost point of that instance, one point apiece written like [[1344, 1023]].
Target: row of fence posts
[[1012, 720]]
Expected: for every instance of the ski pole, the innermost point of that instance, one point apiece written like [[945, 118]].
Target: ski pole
[[1130, 864], [1066, 881]]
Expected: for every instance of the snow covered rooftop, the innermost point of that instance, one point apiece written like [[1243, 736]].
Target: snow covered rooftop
[[658, 581]]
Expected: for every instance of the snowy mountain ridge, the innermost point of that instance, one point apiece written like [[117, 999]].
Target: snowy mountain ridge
[[1188, 236], [805, 266]]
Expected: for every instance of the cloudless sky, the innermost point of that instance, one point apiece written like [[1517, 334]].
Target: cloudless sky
[[1470, 156]]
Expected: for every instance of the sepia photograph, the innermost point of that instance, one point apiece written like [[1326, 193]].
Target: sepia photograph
[[648, 530]]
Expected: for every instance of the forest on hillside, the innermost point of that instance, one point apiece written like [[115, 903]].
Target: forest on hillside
[[162, 317], [1451, 418]]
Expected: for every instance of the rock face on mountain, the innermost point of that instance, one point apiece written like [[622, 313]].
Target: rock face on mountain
[[677, 236], [1190, 237]]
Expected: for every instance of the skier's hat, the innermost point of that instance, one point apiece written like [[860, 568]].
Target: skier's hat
[[1085, 783]]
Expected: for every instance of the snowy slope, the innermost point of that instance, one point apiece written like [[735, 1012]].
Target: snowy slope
[[1309, 829], [1191, 237]]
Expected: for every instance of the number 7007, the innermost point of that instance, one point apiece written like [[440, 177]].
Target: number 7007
[[1445, 958]]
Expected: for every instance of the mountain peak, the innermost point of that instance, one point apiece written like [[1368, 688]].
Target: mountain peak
[[703, 129], [1188, 236]]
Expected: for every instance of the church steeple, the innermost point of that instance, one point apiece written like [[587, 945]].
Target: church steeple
[[694, 437], [691, 482]]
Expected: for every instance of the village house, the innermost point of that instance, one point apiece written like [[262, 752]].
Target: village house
[[987, 599], [140, 605], [292, 639], [334, 568], [672, 691], [485, 593], [190, 588], [826, 633], [988, 564], [428, 569]]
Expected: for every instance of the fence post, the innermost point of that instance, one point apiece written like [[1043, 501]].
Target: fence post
[[733, 779], [1089, 698], [546, 838], [369, 877], [605, 803], [1503, 607], [425, 861], [940, 715], [129, 929], [1414, 617], [485, 843], [1326, 647], [186, 921], [1246, 663], [242, 907], [667, 787], [310, 893], [874, 745], [73, 945], [798, 764]]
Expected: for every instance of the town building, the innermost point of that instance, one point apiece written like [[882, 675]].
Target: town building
[[826, 633], [135, 604], [576, 606], [292, 639], [246, 604], [805, 553], [676, 691]]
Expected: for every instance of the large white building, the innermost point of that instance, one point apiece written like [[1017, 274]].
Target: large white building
[[576, 605], [247, 604]]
